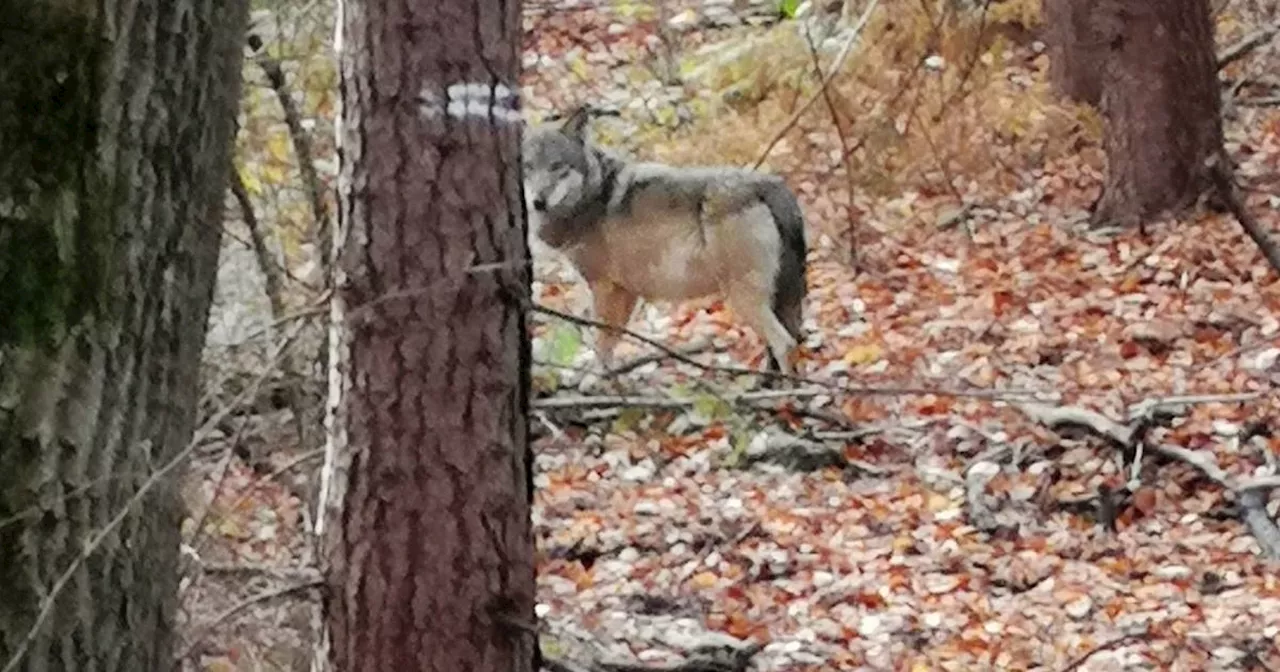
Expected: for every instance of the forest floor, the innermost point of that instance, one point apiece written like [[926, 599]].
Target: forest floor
[[953, 486]]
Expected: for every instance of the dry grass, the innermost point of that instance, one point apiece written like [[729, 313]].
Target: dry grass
[[931, 103]]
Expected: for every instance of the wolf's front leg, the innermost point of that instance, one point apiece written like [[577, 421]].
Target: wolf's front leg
[[613, 305]]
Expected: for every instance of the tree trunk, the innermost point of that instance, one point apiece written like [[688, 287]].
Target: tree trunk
[[425, 531], [1075, 51], [116, 122], [1161, 102]]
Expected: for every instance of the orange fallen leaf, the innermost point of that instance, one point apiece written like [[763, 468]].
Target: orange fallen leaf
[[1145, 500]]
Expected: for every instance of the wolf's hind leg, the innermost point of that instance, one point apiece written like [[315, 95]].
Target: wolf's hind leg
[[756, 311], [613, 305]]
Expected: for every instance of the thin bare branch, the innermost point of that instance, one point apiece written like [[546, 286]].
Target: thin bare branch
[[1250, 494], [845, 49], [303, 153], [632, 365], [274, 279], [1105, 646], [827, 385], [1247, 44], [612, 401], [844, 148], [298, 573], [265, 596], [1224, 181]]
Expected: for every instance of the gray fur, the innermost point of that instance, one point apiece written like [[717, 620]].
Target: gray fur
[[647, 230]]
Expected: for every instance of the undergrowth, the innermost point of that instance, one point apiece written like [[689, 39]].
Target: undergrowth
[[952, 104]]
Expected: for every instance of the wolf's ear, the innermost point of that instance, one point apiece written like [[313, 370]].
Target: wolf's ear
[[575, 125]]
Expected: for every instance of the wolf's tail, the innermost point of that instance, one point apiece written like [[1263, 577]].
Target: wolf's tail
[[789, 287]]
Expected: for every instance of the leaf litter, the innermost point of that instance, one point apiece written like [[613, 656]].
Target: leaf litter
[[656, 526], [840, 570]]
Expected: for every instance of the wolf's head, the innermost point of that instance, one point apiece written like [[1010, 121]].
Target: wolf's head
[[561, 169]]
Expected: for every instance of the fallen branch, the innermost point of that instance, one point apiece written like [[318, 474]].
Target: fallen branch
[[1057, 416], [628, 367], [1260, 101], [298, 573], [1247, 44], [1250, 494], [1150, 405], [1105, 646], [830, 387], [718, 657], [607, 406], [609, 401], [1224, 181]]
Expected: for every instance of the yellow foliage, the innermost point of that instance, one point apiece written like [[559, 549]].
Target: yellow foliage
[[251, 182], [278, 147], [973, 115], [863, 354], [578, 66], [274, 173], [1023, 12]]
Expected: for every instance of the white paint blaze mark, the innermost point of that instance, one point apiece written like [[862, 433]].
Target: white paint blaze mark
[[472, 99]]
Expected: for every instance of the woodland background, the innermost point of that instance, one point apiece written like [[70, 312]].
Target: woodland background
[[921, 505]]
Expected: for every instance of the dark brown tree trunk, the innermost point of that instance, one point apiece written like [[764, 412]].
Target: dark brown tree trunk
[[1161, 102], [116, 121], [1075, 50], [425, 530]]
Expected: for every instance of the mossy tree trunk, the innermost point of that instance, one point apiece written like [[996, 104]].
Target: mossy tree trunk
[[426, 531], [116, 122]]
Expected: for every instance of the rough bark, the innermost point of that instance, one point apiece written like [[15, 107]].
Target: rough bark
[[1161, 101], [425, 531], [1075, 50], [116, 121]]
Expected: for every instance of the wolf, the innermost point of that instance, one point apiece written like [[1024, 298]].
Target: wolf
[[637, 230]]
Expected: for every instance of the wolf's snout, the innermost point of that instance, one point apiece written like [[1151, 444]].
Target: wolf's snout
[[540, 204]]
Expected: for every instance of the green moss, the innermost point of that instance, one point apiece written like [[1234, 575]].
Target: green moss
[[52, 218]]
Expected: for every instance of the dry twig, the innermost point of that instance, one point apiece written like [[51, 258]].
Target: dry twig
[[1105, 646], [844, 148], [830, 386], [267, 595], [826, 81], [632, 365], [303, 153], [1247, 44], [274, 280], [1224, 181]]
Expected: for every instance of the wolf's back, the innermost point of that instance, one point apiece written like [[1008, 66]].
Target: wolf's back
[[789, 288]]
